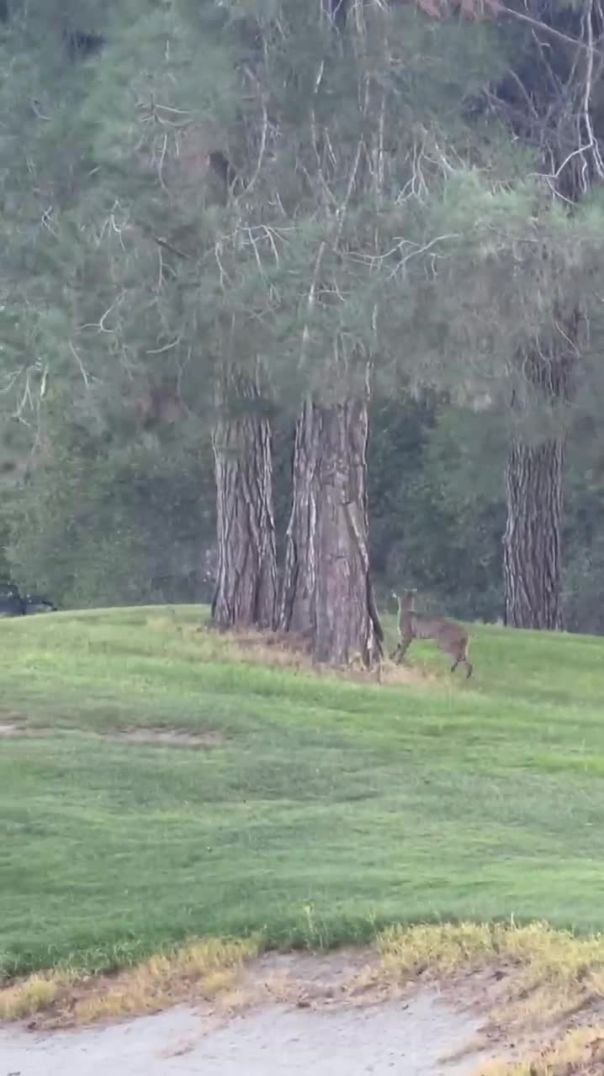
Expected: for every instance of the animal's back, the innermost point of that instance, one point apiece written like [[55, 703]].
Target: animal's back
[[427, 627]]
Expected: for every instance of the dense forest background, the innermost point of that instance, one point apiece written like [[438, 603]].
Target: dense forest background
[[203, 199]]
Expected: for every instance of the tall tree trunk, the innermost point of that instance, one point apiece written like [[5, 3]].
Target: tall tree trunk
[[531, 545], [532, 561], [246, 585], [296, 610], [327, 592]]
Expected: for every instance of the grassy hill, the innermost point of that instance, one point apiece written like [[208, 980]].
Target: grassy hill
[[157, 782]]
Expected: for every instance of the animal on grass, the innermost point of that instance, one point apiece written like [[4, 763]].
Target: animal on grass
[[450, 637]]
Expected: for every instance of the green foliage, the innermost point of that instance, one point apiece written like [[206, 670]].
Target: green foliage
[[436, 505], [382, 161], [584, 526], [103, 522]]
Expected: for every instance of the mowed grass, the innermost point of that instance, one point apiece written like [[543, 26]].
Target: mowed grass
[[313, 810]]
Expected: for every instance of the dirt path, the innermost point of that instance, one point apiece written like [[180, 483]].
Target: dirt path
[[396, 1038]]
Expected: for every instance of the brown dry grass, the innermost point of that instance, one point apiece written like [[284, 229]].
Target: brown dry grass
[[33, 995], [546, 956], [205, 969], [281, 650], [534, 982], [539, 988], [167, 737], [579, 1051], [10, 728]]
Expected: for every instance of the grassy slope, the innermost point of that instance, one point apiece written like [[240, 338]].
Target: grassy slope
[[330, 807]]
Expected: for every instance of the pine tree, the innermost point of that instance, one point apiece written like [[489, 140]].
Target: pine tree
[[356, 157], [140, 226], [550, 102]]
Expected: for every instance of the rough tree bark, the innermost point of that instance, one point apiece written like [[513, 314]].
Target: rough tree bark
[[531, 544], [532, 561], [327, 594], [246, 584]]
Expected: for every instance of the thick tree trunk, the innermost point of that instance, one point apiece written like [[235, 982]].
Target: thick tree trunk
[[532, 562], [246, 584], [296, 611], [327, 593], [531, 545]]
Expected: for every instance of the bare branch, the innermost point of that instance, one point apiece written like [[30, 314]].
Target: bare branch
[[261, 149], [170, 246], [160, 163], [166, 347], [593, 144], [523, 17], [310, 301], [81, 367]]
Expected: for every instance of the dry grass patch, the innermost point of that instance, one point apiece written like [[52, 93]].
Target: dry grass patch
[[15, 725], [281, 650], [580, 1051], [168, 737], [533, 982], [206, 968], [11, 728], [32, 995], [441, 950], [545, 956], [159, 736], [18, 727]]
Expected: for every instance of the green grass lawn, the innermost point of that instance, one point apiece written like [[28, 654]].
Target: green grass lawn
[[325, 809]]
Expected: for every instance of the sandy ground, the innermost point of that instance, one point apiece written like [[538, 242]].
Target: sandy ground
[[406, 1038]]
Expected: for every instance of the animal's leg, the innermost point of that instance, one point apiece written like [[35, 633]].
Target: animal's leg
[[401, 650]]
